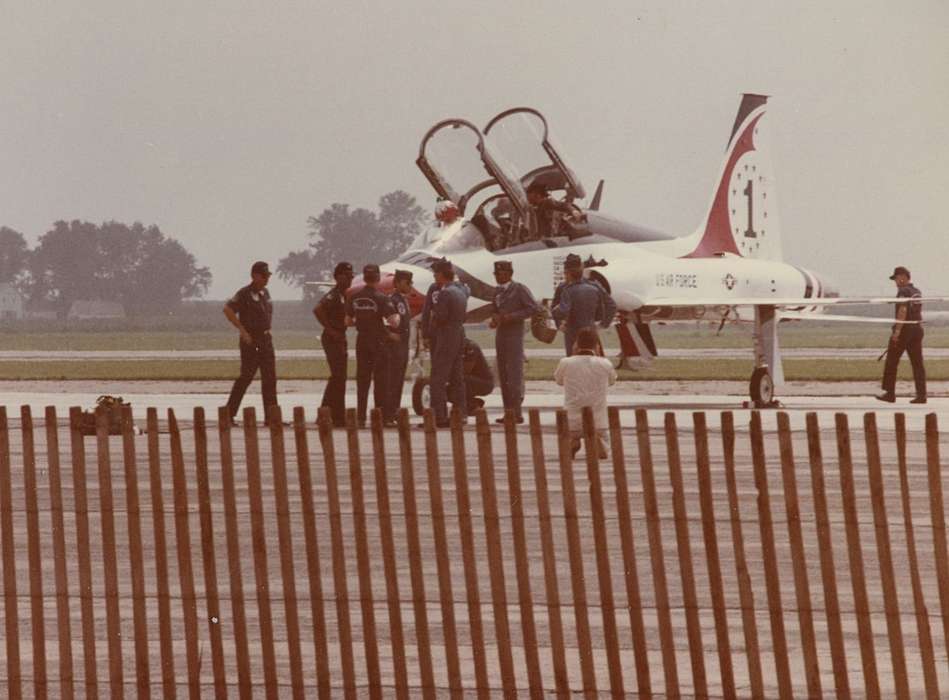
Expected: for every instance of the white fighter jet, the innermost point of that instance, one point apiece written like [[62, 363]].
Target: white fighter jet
[[731, 262]]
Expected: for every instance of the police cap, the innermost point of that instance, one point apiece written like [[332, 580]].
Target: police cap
[[260, 268], [899, 270], [503, 266], [442, 265], [403, 275], [572, 262], [343, 268]]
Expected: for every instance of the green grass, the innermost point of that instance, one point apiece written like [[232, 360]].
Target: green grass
[[537, 369]]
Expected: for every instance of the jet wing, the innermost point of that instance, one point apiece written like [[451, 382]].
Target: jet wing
[[837, 318], [684, 302]]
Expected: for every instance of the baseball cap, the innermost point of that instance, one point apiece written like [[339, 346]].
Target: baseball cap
[[899, 270], [260, 268], [343, 268]]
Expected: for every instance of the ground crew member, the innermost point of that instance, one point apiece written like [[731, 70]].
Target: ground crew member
[[370, 311], [479, 380], [444, 317], [331, 313], [905, 336], [581, 303], [513, 304], [250, 311], [397, 347]]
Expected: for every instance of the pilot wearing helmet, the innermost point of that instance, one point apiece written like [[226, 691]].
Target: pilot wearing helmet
[[446, 212]]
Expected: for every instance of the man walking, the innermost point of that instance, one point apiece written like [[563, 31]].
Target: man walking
[[250, 311], [581, 303], [331, 313], [513, 304], [444, 317], [397, 347], [906, 337], [370, 311]]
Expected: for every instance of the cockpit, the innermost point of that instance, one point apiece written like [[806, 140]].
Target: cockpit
[[488, 175]]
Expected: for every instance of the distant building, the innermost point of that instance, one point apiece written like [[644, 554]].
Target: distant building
[[88, 310], [11, 303]]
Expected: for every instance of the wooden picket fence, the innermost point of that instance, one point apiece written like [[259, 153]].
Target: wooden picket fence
[[742, 562]]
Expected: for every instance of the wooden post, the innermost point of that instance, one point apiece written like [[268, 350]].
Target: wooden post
[[551, 587], [259, 539], [468, 555], [521, 558], [607, 604], [34, 555], [772, 576], [414, 543], [717, 587], [110, 565], [861, 603], [189, 601], [285, 542], [362, 557], [919, 601], [393, 600], [63, 623], [492, 526], [689, 595], [938, 519], [11, 616], [208, 552], [321, 651], [340, 589], [168, 676], [136, 554], [575, 550], [802, 591], [825, 549], [235, 572], [881, 530], [654, 528]]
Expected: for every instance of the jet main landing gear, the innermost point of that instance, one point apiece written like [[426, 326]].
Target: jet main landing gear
[[761, 389]]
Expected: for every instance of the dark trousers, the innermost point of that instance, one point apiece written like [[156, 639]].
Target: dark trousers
[[474, 387], [254, 356], [397, 360], [371, 368], [910, 341], [509, 346], [448, 371], [334, 395]]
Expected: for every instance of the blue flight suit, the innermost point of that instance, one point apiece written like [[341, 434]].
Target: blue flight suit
[[397, 356], [582, 304], [369, 308], [446, 318], [513, 304]]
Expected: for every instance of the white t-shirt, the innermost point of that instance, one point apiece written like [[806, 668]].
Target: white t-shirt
[[585, 380]]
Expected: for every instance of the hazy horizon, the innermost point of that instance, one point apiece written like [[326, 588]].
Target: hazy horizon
[[228, 124]]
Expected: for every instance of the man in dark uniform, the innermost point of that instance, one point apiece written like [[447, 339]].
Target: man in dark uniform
[[479, 380], [580, 303], [250, 311], [513, 304], [397, 348], [370, 311], [546, 210], [443, 318], [331, 313], [905, 337]]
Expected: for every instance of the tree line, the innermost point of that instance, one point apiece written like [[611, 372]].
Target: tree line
[[134, 265]]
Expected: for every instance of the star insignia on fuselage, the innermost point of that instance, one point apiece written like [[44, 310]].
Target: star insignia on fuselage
[[729, 281]]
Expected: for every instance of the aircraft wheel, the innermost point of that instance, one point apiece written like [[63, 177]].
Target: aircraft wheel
[[761, 388], [421, 396]]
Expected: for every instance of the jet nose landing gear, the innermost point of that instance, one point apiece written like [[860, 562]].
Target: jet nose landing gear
[[761, 389]]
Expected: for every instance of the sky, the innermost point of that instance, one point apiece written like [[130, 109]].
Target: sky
[[228, 124]]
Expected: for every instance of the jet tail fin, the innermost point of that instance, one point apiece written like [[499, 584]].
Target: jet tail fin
[[743, 216], [597, 196]]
